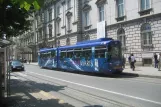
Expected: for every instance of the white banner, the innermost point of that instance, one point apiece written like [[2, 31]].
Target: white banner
[[101, 29]]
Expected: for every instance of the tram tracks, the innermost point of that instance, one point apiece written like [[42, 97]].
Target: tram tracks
[[79, 95]]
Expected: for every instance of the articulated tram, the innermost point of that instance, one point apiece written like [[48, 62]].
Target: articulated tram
[[98, 56]]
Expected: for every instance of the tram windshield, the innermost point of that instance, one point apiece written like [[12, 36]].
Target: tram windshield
[[114, 52]]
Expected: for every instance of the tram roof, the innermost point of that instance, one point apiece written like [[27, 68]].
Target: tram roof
[[84, 44], [47, 49]]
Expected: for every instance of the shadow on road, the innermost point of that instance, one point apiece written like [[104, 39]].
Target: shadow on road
[[122, 75], [28, 94]]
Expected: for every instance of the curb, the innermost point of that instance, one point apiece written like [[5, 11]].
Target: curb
[[149, 76], [139, 75]]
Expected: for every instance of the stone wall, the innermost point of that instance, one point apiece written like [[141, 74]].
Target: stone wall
[[133, 37]]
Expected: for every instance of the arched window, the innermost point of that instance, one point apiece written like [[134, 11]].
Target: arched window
[[146, 34], [87, 37], [121, 36], [68, 41]]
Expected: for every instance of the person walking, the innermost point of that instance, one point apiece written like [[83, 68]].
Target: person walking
[[133, 62], [129, 59], [155, 60], [159, 64]]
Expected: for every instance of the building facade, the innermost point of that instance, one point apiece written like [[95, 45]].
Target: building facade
[[57, 23], [136, 23], [25, 44]]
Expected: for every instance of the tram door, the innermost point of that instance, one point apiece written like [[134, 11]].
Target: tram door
[[100, 58]]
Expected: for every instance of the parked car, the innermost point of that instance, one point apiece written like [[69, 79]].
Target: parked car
[[17, 65]]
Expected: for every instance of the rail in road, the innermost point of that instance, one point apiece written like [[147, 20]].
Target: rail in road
[[88, 95], [72, 93]]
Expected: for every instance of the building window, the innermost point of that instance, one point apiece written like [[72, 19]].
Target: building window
[[101, 13], [58, 43], [42, 17], [86, 17], [121, 36], [58, 10], [68, 41], [50, 31], [40, 34], [36, 22], [68, 4], [63, 15], [120, 8], [50, 15], [145, 4], [146, 34], [69, 23], [58, 27], [87, 37], [85, 1]]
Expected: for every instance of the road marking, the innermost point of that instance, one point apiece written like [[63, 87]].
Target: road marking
[[45, 96], [113, 92], [13, 77], [22, 74]]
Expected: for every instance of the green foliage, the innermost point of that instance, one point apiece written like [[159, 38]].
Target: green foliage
[[13, 19], [26, 4]]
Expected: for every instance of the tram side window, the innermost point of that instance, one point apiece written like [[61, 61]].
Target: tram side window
[[77, 53], [69, 54], [63, 54], [48, 55], [45, 55], [100, 52], [42, 55], [87, 53], [52, 53]]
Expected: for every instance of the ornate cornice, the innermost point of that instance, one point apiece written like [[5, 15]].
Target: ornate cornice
[[63, 2], [68, 14], [50, 26], [58, 19], [86, 7], [100, 2]]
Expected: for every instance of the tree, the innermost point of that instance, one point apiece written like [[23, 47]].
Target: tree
[[14, 14], [27, 3]]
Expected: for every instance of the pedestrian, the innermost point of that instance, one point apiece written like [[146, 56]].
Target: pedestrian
[[159, 64], [129, 59], [155, 60], [133, 62]]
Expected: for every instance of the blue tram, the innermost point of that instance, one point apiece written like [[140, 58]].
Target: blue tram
[[99, 56], [47, 58]]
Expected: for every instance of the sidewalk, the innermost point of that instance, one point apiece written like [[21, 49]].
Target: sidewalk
[[141, 71], [25, 94]]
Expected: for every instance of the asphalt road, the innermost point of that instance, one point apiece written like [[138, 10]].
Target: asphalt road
[[90, 90]]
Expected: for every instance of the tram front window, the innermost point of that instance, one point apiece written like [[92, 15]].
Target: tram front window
[[114, 52]]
